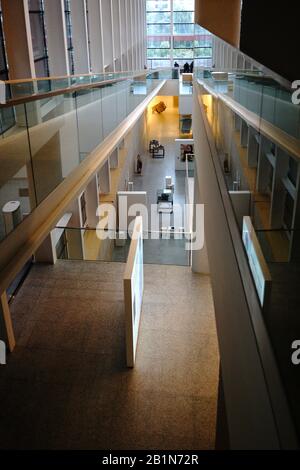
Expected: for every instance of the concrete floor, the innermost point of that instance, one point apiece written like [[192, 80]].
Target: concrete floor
[[67, 386]]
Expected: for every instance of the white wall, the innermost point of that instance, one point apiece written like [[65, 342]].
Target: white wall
[[185, 104], [135, 143], [171, 88]]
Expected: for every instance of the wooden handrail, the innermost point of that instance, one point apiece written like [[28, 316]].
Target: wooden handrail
[[19, 245], [61, 91], [61, 77]]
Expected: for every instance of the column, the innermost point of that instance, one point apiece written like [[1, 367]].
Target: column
[[135, 29], [92, 202], [140, 40], [80, 36], [114, 159], [46, 253], [262, 178], [123, 32], [117, 35], [6, 328], [108, 43], [278, 190], [16, 27], [244, 134], [132, 49], [199, 257], [104, 178], [96, 36], [143, 33], [253, 148], [56, 37], [128, 32], [138, 37]]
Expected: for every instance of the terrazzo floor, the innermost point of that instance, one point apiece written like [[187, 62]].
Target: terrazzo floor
[[66, 386]]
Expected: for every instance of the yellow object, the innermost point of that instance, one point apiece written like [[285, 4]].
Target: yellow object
[[159, 107]]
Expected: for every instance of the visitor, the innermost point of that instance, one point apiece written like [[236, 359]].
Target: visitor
[[186, 68], [139, 165]]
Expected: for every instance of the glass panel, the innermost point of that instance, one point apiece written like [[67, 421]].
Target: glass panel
[[160, 5], [53, 140], [41, 68], [109, 108], [183, 43], [157, 63], [154, 29], [90, 120], [97, 245], [183, 53], [181, 24], [183, 17], [205, 52], [38, 36], [62, 131], [257, 146], [7, 119], [17, 193], [159, 53], [183, 5], [159, 42], [184, 29], [156, 18]]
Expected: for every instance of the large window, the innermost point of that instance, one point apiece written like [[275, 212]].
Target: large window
[[171, 35], [38, 34], [159, 33], [203, 47]]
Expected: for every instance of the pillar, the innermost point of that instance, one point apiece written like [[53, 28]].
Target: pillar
[[104, 178], [56, 37], [123, 30], [96, 36], [46, 253], [115, 8], [92, 202], [199, 257], [16, 27], [278, 190], [80, 37], [6, 328], [244, 134], [253, 148]]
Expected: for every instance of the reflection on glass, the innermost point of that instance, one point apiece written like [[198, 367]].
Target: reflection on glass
[[17, 192]]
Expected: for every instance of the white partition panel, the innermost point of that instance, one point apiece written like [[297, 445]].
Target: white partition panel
[[259, 268], [133, 291]]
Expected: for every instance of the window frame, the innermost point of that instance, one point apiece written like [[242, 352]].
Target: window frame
[[173, 27], [45, 57]]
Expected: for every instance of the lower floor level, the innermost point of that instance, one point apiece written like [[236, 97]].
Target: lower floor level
[[66, 386]]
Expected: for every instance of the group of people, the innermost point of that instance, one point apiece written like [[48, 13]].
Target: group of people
[[187, 68]]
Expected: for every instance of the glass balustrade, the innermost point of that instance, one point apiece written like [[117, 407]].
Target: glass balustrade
[[269, 103], [90, 244], [23, 89], [51, 136], [253, 128]]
